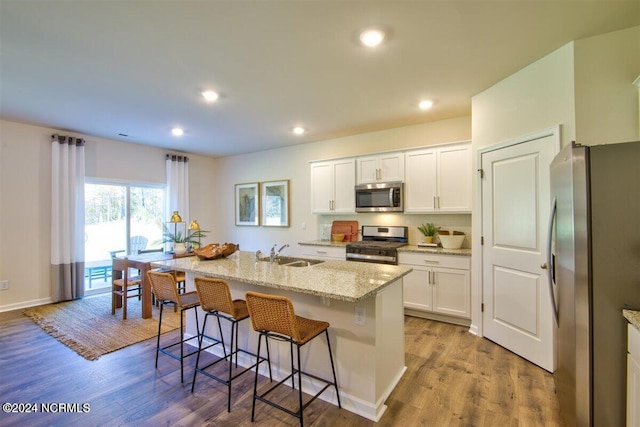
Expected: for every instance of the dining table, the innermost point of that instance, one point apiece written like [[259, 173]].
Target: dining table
[[142, 262]]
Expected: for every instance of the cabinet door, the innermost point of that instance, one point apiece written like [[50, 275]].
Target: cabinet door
[[367, 170], [633, 392], [420, 181], [344, 181], [452, 292], [324, 252], [417, 290], [454, 179], [391, 166], [321, 187]]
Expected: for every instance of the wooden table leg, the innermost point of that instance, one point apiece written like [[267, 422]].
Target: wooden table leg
[[146, 291], [117, 300]]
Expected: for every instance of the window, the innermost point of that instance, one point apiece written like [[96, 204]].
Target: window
[[119, 219]]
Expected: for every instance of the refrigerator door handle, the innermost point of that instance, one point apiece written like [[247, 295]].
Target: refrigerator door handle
[[550, 261]]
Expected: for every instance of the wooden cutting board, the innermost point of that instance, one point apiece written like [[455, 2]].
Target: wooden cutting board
[[348, 228]]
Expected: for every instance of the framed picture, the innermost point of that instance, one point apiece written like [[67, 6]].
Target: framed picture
[[247, 204], [275, 203]]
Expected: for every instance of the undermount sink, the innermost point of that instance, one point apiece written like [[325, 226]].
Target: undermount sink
[[293, 262]]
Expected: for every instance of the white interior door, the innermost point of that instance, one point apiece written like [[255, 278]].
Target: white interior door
[[515, 212]]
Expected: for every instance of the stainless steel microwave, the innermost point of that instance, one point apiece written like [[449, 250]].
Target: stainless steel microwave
[[379, 197]]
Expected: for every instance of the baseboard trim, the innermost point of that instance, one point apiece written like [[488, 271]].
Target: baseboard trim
[[25, 304]]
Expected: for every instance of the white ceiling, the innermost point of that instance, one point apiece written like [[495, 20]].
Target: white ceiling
[[106, 68]]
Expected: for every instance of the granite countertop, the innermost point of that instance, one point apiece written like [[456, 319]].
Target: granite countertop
[[633, 317], [336, 279], [407, 248]]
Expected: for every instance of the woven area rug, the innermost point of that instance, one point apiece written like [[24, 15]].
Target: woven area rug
[[87, 327]]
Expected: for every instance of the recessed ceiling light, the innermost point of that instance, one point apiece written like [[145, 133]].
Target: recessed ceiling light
[[299, 130], [210, 95], [425, 104], [372, 37], [177, 131]]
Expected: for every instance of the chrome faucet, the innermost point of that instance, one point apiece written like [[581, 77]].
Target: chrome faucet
[[281, 248], [273, 254]]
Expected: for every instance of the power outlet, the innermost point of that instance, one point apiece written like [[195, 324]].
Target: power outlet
[[360, 316], [4, 285]]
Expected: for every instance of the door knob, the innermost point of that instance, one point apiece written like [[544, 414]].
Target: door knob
[[543, 266]]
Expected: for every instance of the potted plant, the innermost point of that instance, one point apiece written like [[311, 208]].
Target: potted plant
[[180, 239], [429, 230]]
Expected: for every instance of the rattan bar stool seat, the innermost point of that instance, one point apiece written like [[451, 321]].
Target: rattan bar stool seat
[[273, 317], [166, 292], [215, 299]]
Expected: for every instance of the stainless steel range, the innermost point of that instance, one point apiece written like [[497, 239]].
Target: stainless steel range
[[379, 244]]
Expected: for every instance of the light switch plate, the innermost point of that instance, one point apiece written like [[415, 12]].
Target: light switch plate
[[4, 285]]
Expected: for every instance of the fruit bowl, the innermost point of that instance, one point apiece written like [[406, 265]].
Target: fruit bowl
[[337, 237]]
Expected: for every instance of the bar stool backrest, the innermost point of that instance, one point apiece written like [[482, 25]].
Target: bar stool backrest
[[164, 286], [272, 313], [214, 295]]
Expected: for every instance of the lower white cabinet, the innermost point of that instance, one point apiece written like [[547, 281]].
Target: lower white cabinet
[[324, 252], [438, 284], [633, 377]]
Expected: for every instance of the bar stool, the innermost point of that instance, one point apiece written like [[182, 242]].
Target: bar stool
[[215, 300], [273, 317], [166, 292]]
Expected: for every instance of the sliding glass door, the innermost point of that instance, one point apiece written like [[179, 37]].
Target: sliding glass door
[[120, 219]]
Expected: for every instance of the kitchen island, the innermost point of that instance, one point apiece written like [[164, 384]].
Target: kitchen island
[[362, 302]]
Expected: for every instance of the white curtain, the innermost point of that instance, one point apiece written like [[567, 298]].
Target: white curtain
[[178, 186], [67, 217]]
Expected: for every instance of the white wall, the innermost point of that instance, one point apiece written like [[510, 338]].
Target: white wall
[[292, 163], [560, 89], [606, 99], [25, 199]]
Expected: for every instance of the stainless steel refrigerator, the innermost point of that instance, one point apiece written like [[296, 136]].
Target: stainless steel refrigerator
[[595, 273]]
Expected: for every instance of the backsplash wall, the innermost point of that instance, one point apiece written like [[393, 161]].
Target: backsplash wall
[[457, 222]]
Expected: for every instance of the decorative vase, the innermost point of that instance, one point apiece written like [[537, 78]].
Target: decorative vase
[[428, 239], [180, 248]]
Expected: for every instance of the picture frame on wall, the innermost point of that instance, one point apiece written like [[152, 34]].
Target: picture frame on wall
[[248, 204], [275, 203]]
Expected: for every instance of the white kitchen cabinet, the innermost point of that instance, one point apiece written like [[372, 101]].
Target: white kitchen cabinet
[[384, 167], [438, 180], [332, 184], [324, 252], [438, 284], [633, 377]]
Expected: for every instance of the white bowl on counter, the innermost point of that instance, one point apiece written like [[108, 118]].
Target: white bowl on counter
[[451, 242]]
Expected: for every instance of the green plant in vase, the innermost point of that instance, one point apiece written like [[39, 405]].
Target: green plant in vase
[[180, 239], [429, 230]]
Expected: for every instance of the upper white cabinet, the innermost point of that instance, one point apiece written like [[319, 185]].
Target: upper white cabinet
[[380, 168], [438, 179], [332, 184]]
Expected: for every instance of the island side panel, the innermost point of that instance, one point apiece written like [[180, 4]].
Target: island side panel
[[390, 362], [354, 347]]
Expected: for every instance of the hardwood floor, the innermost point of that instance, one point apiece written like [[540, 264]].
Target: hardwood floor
[[453, 378]]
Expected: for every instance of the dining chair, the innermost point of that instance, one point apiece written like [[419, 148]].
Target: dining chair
[[124, 287]]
